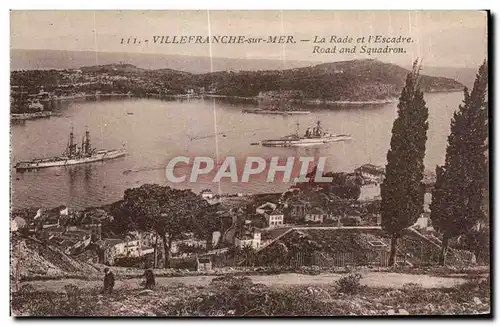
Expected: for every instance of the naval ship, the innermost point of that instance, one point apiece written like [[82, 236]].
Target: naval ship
[[73, 155], [313, 136]]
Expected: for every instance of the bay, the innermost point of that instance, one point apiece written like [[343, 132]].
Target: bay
[[154, 131]]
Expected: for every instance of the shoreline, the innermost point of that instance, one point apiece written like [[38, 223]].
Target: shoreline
[[306, 101], [311, 101]]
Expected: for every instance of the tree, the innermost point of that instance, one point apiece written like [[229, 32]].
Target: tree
[[344, 185], [402, 191], [169, 212], [462, 180]]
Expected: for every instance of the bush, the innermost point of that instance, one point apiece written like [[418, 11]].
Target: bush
[[415, 293], [232, 282], [75, 302], [475, 287], [240, 297], [349, 284], [311, 270]]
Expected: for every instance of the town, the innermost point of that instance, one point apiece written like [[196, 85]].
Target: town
[[341, 218]]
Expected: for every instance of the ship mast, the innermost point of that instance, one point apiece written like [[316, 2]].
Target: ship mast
[[88, 149], [82, 148], [71, 145], [318, 128]]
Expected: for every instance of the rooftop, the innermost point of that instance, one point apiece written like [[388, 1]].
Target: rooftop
[[371, 168], [106, 243]]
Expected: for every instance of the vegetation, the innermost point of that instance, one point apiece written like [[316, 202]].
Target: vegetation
[[356, 80], [169, 212], [345, 185], [349, 284], [234, 296], [463, 179], [402, 191]]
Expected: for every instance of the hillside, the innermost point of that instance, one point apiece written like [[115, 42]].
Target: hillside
[[355, 80], [33, 260], [113, 68]]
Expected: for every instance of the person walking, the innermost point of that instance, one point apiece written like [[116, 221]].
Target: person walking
[[109, 281], [150, 279]]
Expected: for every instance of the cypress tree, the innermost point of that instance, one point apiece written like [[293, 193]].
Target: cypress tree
[[462, 180], [402, 191]]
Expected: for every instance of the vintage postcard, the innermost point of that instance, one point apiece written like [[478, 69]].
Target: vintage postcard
[[249, 163]]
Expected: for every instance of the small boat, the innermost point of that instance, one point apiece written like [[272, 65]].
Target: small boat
[[30, 116], [275, 112], [130, 113]]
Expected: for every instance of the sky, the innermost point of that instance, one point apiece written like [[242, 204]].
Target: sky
[[441, 38]]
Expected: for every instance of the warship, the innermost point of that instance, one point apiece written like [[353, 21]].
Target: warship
[[312, 136], [73, 155]]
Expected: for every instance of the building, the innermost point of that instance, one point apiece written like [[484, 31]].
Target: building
[[133, 248], [203, 264], [371, 173], [424, 222], [109, 250], [298, 208], [274, 215], [275, 218], [317, 215], [207, 194], [191, 242], [252, 239]]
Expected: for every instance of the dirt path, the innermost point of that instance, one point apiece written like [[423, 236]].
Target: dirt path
[[371, 279]]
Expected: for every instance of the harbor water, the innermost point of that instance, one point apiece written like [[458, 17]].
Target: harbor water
[[155, 131]]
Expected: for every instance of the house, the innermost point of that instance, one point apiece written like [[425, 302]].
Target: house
[[297, 208], [371, 173], [191, 242], [424, 222], [252, 239], [203, 264], [274, 215], [207, 194], [109, 250], [275, 218], [317, 215], [132, 248], [147, 239]]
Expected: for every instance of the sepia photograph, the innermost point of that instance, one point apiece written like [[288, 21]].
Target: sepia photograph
[[249, 163]]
